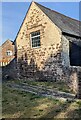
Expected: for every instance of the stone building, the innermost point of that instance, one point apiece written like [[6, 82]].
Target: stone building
[[7, 53], [48, 46]]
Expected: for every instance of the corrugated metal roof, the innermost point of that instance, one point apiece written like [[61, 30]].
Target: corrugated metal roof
[[66, 24]]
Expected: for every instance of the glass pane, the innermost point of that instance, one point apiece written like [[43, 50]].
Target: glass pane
[[35, 39], [35, 33]]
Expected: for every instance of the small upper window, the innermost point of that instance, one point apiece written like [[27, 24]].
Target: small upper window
[[9, 52], [35, 39]]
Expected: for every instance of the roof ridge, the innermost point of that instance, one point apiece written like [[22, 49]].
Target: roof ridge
[[58, 12], [6, 41]]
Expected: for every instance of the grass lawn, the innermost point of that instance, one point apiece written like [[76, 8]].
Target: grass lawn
[[58, 85], [19, 104]]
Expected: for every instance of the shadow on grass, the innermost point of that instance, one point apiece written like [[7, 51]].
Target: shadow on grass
[[62, 108], [26, 105], [76, 113]]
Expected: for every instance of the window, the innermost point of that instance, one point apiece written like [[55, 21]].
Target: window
[[9, 53], [74, 54], [35, 39]]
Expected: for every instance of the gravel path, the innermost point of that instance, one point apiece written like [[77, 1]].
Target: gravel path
[[42, 91]]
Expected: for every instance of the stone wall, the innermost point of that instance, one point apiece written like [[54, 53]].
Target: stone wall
[[50, 49], [65, 52], [74, 72], [74, 39], [35, 62], [75, 80], [9, 72]]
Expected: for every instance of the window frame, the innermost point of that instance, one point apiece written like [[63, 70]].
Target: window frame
[[9, 53], [35, 37]]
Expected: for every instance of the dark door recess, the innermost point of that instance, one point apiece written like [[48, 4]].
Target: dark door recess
[[74, 54]]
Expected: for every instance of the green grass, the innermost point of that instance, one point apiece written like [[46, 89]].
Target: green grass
[[59, 85], [19, 104]]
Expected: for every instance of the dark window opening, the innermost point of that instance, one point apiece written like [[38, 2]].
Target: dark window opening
[[74, 54], [9, 52]]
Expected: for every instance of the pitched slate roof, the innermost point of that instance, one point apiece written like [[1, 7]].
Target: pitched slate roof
[[66, 24]]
